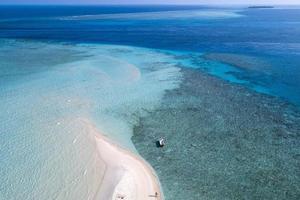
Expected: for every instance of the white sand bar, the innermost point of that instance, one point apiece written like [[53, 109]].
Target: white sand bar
[[127, 176]]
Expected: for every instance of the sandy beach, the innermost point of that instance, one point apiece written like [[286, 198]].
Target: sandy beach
[[127, 176]]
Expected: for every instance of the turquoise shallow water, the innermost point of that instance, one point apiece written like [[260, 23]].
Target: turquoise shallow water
[[46, 150]]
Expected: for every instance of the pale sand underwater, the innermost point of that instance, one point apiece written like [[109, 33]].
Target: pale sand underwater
[[47, 153]]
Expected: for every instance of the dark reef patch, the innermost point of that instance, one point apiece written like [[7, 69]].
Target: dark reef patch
[[223, 141], [239, 61]]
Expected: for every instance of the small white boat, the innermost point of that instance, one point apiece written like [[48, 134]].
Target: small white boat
[[161, 142]]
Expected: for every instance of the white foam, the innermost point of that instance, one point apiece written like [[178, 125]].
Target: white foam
[[194, 14]]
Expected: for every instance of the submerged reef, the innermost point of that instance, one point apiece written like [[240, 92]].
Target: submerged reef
[[239, 61], [223, 141]]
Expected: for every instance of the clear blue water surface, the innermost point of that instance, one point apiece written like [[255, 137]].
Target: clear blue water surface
[[271, 35]]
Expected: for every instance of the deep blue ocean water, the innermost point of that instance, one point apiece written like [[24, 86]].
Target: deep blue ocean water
[[270, 35]]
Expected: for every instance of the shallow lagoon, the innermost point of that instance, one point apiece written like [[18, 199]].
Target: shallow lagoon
[[46, 150]]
